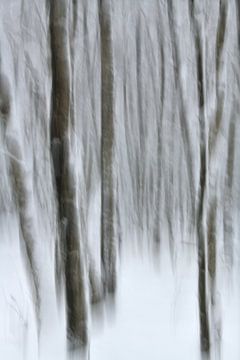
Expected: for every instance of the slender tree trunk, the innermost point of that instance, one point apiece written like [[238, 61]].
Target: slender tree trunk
[[202, 195], [108, 243], [67, 192]]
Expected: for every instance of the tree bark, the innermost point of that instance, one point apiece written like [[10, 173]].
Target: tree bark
[[67, 191], [108, 243]]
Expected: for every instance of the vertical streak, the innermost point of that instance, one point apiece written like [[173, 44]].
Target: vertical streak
[[202, 198], [67, 192], [108, 245]]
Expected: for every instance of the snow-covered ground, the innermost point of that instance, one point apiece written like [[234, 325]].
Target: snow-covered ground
[[155, 315]]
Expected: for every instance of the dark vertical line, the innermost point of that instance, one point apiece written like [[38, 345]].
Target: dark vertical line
[[72, 246], [108, 246], [202, 260]]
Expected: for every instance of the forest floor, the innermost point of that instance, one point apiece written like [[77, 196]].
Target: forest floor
[[155, 313]]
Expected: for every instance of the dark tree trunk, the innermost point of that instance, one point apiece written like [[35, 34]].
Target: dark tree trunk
[[67, 192], [108, 244]]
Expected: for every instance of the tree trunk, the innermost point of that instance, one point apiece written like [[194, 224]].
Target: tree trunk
[[67, 191], [108, 243]]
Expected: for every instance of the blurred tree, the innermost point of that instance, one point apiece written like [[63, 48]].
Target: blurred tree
[[108, 243]]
